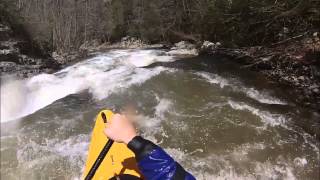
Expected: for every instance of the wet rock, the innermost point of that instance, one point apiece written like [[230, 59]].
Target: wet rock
[[183, 45], [301, 78], [209, 46], [89, 46], [132, 42], [315, 71], [183, 52], [314, 88], [157, 46], [5, 32], [65, 58], [58, 58], [7, 66]]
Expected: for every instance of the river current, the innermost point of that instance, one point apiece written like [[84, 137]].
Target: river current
[[226, 124]]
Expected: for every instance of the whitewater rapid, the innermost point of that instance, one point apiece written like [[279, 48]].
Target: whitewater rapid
[[100, 75], [216, 125]]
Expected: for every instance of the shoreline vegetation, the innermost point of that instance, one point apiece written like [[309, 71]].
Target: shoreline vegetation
[[279, 39]]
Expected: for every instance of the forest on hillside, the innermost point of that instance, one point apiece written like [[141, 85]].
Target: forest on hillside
[[229, 88], [63, 25]]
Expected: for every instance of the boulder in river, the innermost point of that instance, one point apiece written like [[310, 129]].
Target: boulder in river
[[208, 47]]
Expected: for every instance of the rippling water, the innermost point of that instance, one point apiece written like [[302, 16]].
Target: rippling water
[[230, 124]]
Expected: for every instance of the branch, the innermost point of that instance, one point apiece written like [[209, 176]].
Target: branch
[[289, 39]]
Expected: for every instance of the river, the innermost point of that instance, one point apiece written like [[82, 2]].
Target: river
[[225, 124]]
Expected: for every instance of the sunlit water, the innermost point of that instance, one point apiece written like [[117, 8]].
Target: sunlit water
[[229, 124]]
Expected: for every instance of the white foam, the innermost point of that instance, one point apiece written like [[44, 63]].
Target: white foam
[[147, 57], [100, 75], [261, 97], [272, 119], [266, 117], [226, 167], [13, 98], [146, 123], [163, 106], [72, 151], [214, 79], [300, 162], [240, 153], [71, 147]]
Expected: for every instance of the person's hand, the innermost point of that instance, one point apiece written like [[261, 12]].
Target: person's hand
[[120, 129]]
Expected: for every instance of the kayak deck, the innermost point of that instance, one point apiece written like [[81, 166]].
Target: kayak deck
[[118, 161]]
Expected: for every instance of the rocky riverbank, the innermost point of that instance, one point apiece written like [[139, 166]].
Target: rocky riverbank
[[180, 49], [92, 47], [294, 63], [18, 56]]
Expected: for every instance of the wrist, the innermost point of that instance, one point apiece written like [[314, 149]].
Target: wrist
[[129, 138], [141, 147]]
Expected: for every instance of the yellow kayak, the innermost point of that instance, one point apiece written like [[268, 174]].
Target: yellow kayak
[[119, 159]]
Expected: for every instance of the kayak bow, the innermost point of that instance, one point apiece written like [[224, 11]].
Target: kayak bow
[[106, 159]]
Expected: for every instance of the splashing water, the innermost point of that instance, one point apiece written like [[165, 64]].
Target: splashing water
[[100, 75], [217, 127]]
